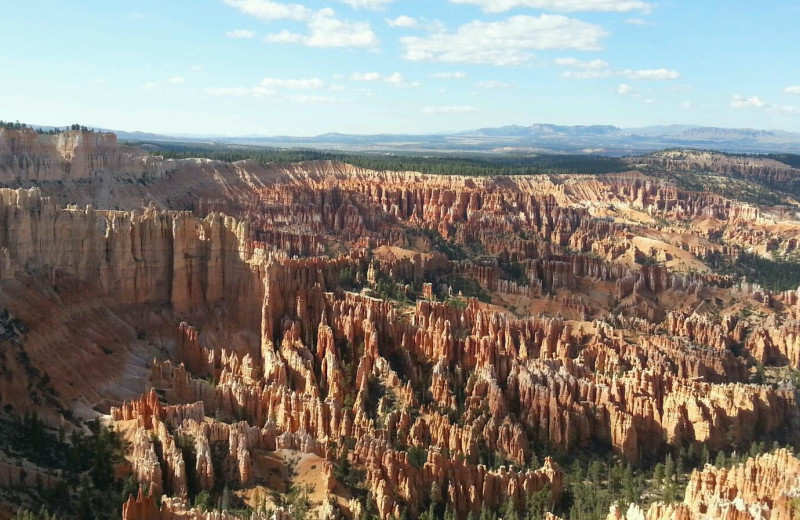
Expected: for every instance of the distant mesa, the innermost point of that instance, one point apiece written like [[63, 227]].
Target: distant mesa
[[541, 138]]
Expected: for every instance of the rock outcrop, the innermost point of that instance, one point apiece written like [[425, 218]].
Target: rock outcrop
[[762, 487], [72, 155]]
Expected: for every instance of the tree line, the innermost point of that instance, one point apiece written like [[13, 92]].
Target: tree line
[[16, 125], [467, 164], [774, 274]]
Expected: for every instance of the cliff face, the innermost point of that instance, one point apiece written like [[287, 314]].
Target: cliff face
[[72, 275], [147, 256], [72, 155], [766, 170]]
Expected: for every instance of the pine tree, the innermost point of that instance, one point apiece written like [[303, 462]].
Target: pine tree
[[669, 468], [129, 488], [615, 480], [578, 472], [629, 485], [487, 514], [534, 461], [669, 492], [658, 475], [84, 505], [694, 456], [757, 448], [432, 511], [683, 459], [669, 475], [594, 472], [538, 504], [720, 460], [510, 510], [201, 501]]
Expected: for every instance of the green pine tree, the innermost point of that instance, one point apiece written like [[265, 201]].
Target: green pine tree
[[658, 475]]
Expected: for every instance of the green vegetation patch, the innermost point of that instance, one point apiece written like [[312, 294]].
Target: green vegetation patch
[[775, 274], [446, 164], [84, 465]]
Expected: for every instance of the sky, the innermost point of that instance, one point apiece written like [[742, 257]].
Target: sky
[[307, 67]]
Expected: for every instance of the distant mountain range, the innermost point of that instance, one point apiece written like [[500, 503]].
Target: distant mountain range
[[541, 138]]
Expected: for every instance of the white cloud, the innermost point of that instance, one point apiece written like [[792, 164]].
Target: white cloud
[[365, 76], [176, 79], [783, 109], [267, 88], [792, 90], [505, 42], [651, 74], [454, 109], [449, 75], [398, 80], [687, 105], [367, 4], [316, 100], [99, 81], [326, 30], [638, 21], [574, 62], [493, 84], [268, 10], [404, 21], [310, 83], [745, 102], [256, 92], [395, 79], [499, 6], [579, 69], [241, 33], [584, 69], [150, 86], [624, 89], [284, 37], [742, 102], [587, 74], [407, 22]]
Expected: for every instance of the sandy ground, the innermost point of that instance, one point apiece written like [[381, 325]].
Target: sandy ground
[[270, 472]]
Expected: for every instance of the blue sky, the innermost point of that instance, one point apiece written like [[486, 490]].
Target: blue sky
[[240, 67]]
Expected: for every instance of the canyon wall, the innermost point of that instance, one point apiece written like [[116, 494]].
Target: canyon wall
[[71, 155], [147, 256]]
